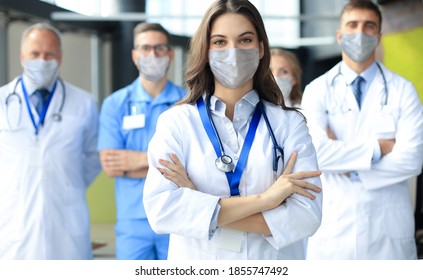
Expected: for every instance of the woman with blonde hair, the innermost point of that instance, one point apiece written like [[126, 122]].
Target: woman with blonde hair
[[287, 71]]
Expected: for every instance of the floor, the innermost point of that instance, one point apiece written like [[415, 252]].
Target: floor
[[103, 237], [103, 240]]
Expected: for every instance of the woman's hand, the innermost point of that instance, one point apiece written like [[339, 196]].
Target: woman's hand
[[289, 183], [175, 172]]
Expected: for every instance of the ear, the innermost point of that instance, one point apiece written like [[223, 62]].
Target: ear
[[171, 55], [379, 38], [22, 59], [261, 50], [59, 59], [338, 36], [294, 81], [135, 57]]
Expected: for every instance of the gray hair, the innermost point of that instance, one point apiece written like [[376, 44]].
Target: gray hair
[[42, 26]]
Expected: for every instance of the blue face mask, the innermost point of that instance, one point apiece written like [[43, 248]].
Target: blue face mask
[[359, 46], [234, 67]]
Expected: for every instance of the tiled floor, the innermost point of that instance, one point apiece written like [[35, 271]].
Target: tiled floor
[[103, 234]]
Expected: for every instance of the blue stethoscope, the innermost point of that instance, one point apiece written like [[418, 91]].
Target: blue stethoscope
[[224, 162], [13, 95], [384, 98]]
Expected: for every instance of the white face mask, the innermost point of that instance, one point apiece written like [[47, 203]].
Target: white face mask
[[234, 67], [153, 68], [358, 46], [285, 84], [41, 72]]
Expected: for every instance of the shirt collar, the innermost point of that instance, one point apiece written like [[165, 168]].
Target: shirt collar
[[31, 87], [350, 74], [244, 108], [166, 96]]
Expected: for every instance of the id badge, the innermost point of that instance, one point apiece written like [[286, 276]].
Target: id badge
[[133, 121], [230, 239]]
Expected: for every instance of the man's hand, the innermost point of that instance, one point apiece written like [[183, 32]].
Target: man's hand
[[330, 133], [117, 162], [386, 146]]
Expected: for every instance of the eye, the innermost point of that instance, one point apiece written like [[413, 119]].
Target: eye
[[35, 54], [370, 25], [246, 41], [352, 24], [218, 42]]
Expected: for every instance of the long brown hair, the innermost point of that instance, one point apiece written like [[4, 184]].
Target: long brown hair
[[198, 75]]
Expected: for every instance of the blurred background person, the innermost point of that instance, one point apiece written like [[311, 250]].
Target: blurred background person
[[127, 122], [287, 71], [48, 156], [366, 123]]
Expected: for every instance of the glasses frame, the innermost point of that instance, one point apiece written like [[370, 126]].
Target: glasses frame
[[159, 49]]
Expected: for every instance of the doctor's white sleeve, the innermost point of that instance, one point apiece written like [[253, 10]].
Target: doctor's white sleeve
[[335, 156], [298, 217], [406, 158], [90, 155], [171, 209]]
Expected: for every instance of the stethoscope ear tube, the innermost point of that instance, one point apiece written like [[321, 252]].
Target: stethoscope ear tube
[[56, 116]]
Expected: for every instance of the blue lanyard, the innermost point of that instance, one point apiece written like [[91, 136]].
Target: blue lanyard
[[232, 177], [43, 111]]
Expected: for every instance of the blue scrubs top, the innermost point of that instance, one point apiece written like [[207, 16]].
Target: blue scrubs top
[[129, 191]]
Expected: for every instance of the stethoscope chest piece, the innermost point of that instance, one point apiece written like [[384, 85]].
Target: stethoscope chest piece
[[57, 117], [225, 163]]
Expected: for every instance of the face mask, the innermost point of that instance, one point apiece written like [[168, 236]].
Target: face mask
[[285, 84], [41, 72], [234, 67], [358, 46], [153, 68]]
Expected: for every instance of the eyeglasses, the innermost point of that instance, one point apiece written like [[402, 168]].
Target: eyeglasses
[[160, 49]]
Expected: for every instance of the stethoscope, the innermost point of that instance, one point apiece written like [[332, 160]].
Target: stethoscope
[[224, 162], [383, 99], [13, 95]]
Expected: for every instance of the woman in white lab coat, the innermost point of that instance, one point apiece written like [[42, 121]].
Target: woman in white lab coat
[[44, 175], [266, 214]]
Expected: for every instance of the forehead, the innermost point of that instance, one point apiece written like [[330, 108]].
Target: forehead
[[231, 24], [151, 37], [278, 61], [41, 35], [359, 15]]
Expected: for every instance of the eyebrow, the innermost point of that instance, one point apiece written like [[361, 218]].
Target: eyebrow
[[242, 34], [357, 21]]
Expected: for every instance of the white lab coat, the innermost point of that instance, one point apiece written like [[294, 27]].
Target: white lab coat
[[187, 214], [43, 209], [371, 219]]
